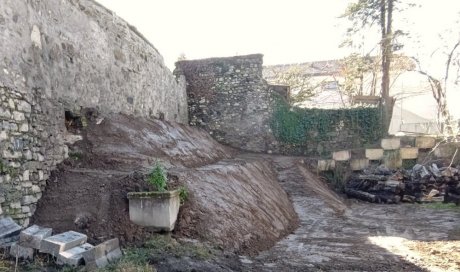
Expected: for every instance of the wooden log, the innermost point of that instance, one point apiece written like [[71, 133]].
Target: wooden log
[[361, 195]]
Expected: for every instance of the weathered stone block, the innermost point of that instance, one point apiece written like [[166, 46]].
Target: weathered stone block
[[408, 153], [391, 143], [343, 155], [8, 228], [359, 164], [62, 242], [158, 210], [326, 165], [102, 254], [74, 255], [21, 252], [33, 236], [445, 150], [392, 159], [374, 154], [425, 142]]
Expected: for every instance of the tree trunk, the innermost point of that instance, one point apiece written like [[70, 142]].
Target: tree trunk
[[386, 14]]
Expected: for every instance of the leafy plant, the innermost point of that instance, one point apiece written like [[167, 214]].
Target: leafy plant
[[183, 194], [158, 177], [304, 127]]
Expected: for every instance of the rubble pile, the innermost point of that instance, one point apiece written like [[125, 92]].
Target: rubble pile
[[422, 183], [67, 248]]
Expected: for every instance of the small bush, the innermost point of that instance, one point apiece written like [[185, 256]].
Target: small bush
[[183, 194], [158, 178]]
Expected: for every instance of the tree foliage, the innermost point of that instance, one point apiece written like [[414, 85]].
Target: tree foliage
[[365, 14]]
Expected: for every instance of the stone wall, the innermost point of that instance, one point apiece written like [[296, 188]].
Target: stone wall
[[67, 55], [229, 98], [394, 153], [83, 55], [31, 144]]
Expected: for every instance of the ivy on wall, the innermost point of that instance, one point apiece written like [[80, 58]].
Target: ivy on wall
[[301, 126]]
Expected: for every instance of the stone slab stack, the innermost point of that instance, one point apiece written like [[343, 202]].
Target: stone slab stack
[[68, 248]]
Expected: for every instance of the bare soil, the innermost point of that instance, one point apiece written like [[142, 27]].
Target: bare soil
[[235, 203], [270, 209]]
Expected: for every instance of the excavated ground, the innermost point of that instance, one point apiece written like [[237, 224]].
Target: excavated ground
[[237, 204], [243, 203]]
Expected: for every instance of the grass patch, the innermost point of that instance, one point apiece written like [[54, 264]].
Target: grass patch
[[139, 259], [442, 206]]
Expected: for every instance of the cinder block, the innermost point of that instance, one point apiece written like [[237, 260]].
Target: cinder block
[[102, 254], [408, 153], [343, 155], [21, 252], [359, 164], [73, 256], [391, 143], [8, 228], [445, 150], [326, 165], [374, 154], [425, 142], [62, 242], [32, 236], [392, 159]]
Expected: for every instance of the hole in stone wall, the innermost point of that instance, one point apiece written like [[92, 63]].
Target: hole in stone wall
[[73, 122]]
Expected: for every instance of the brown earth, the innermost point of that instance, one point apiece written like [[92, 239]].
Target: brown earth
[[236, 204]]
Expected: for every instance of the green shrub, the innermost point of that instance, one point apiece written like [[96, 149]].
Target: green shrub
[[183, 194], [158, 178]]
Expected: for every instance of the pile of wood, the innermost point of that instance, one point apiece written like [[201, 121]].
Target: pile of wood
[[422, 183]]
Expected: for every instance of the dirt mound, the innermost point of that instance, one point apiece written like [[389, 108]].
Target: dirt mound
[[237, 204]]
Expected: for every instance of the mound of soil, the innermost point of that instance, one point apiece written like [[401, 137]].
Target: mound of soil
[[235, 203]]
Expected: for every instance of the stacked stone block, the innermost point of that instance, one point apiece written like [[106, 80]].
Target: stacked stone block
[[391, 153], [31, 145]]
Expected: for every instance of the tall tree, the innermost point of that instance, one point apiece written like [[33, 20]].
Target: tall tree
[[367, 13]]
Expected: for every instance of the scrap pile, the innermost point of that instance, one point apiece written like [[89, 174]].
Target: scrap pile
[[419, 184]]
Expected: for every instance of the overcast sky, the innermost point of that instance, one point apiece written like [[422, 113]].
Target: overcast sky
[[288, 31]]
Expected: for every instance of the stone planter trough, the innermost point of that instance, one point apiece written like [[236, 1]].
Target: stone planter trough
[[154, 209]]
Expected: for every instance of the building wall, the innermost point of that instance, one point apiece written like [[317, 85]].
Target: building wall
[[60, 55]]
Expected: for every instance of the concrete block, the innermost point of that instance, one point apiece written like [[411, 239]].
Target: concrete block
[[326, 165], [343, 155], [359, 164], [32, 236], [374, 154], [62, 242], [392, 159], [425, 142], [408, 153], [102, 254], [157, 210], [8, 228], [21, 252], [391, 143], [446, 150], [73, 256]]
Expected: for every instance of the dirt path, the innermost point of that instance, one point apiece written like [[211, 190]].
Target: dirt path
[[363, 237]]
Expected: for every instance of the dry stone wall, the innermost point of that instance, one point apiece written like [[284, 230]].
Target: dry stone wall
[[31, 144], [229, 98], [68, 55]]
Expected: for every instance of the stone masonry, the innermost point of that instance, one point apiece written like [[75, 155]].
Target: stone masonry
[[68, 55], [83, 55], [229, 98], [31, 145]]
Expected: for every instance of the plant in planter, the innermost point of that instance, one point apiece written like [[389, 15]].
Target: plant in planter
[[157, 209]]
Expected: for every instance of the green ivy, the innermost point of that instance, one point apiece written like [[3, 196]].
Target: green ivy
[[299, 126]]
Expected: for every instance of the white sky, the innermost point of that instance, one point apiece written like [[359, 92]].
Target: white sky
[[287, 31]]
